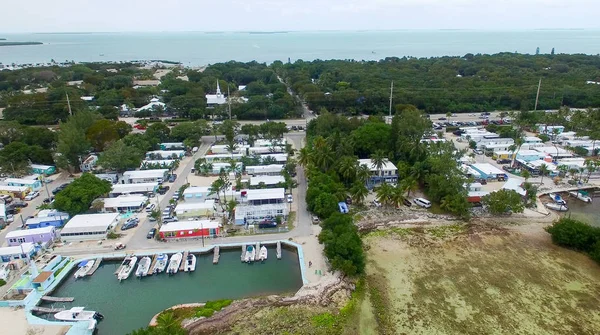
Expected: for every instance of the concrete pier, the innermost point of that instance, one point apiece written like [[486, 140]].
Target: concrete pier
[[217, 255], [278, 249], [243, 252]]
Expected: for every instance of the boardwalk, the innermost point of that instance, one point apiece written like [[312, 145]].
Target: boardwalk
[[278, 249], [58, 299], [95, 267], [257, 249], [44, 310], [183, 261], [243, 252], [151, 268], [217, 255]]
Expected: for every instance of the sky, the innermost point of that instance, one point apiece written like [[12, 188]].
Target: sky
[[294, 15]]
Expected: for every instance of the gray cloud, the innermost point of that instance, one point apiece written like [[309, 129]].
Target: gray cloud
[[236, 15]]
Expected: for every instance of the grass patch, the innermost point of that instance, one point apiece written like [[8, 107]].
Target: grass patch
[[61, 268], [112, 235], [392, 231], [436, 209], [211, 307], [445, 231], [380, 302], [291, 219]]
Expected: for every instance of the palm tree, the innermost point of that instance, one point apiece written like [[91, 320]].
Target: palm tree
[[543, 172], [168, 323], [347, 167], [384, 193], [410, 184], [358, 192], [526, 174], [304, 157], [378, 159], [515, 149], [591, 167], [363, 173], [322, 154], [397, 196], [563, 169], [573, 172]]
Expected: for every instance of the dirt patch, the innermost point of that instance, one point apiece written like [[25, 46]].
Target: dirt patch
[[479, 280]]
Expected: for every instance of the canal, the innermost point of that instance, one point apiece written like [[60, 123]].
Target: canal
[[588, 213], [131, 304]]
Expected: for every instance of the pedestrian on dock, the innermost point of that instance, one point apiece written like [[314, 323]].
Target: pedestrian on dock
[[309, 263]]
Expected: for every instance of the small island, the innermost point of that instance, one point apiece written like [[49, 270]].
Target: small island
[[4, 44]]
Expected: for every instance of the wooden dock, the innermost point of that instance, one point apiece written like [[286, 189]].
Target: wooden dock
[[45, 310], [257, 250], [150, 269], [95, 267], [278, 249], [183, 261], [243, 252], [57, 299], [216, 255]]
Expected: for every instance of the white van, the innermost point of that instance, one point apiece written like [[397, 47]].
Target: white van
[[149, 208], [422, 202]]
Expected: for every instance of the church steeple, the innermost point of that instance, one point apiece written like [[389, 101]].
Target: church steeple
[[218, 88]]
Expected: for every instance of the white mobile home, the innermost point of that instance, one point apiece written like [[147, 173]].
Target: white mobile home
[[248, 214], [279, 158], [172, 146], [125, 203], [267, 180], [196, 209], [265, 170], [141, 188], [88, 227], [165, 154], [218, 149], [196, 193], [222, 157], [145, 176]]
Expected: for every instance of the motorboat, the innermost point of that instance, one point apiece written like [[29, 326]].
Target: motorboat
[[143, 267], [174, 263], [581, 196], [262, 255], [557, 198], [557, 207], [250, 254], [190, 263], [127, 267], [84, 268], [161, 263], [78, 314]]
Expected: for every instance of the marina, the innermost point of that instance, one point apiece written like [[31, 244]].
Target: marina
[[149, 296]]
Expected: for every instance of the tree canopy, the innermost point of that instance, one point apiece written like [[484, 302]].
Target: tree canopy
[[77, 197]]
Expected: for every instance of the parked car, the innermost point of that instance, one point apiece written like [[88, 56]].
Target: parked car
[[482, 181], [503, 161], [170, 219], [315, 219], [152, 219], [5, 198], [422, 202], [151, 233], [406, 203], [289, 198], [163, 190], [376, 203], [32, 196], [172, 178], [442, 118], [478, 151], [60, 188], [150, 208], [19, 204], [128, 225], [48, 200]]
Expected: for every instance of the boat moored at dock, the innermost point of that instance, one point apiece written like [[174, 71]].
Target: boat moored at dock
[[161, 263], [190, 263], [143, 267], [84, 268], [557, 207], [174, 263], [262, 256], [581, 196], [250, 254], [127, 267], [557, 199]]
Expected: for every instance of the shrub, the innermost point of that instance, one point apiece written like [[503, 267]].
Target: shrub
[[342, 244], [575, 234], [2, 282], [595, 253]]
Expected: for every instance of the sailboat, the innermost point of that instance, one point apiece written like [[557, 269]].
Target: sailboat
[[143, 267]]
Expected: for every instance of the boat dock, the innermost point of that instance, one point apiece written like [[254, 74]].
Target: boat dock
[[46, 310], [243, 252], [217, 255], [95, 267], [183, 261], [150, 269], [278, 249], [57, 299], [257, 250]]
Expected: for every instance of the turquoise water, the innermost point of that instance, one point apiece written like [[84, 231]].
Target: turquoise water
[[199, 48], [131, 304]]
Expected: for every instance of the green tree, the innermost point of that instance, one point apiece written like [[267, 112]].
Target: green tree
[[102, 133], [72, 142], [574, 234], [78, 196], [503, 202], [159, 131], [543, 171], [120, 157], [378, 159], [410, 184], [342, 244], [358, 192]]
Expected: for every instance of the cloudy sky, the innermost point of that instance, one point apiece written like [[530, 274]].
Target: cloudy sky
[[270, 15]]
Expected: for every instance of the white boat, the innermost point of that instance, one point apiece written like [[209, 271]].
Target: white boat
[[557, 207], [262, 255], [581, 196], [174, 263], [190, 263], [250, 254], [78, 314], [557, 198], [127, 267], [143, 267], [161, 263], [84, 268]]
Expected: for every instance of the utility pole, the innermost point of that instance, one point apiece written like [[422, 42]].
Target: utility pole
[[69, 104], [229, 101], [537, 96], [391, 98]]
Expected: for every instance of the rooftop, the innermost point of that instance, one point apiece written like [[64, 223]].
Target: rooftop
[[27, 232], [387, 165], [145, 173], [21, 181], [43, 276], [196, 189], [195, 205], [141, 187], [125, 201], [189, 225], [487, 168], [16, 250], [267, 193], [87, 222], [268, 180]]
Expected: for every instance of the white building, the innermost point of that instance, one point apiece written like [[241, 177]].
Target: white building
[[222, 157], [154, 104], [245, 214], [554, 152], [88, 227], [24, 250], [172, 146], [267, 180], [197, 193], [264, 170], [145, 176], [165, 154], [387, 174], [279, 158], [532, 141], [195, 209], [264, 196], [265, 150], [125, 203], [89, 163], [216, 99], [218, 149], [495, 148], [268, 143], [550, 130], [141, 188], [494, 140]]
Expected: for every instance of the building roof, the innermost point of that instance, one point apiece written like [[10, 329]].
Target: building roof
[[551, 150], [265, 168], [497, 145], [387, 165], [125, 201], [16, 250], [166, 152], [172, 144], [189, 225], [162, 162], [530, 153], [13, 188], [515, 185], [208, 204], [487, 168], [40, 219], [138, 174], [196, 189], [41, 166], [277, 157], [21, 181], [89, 222], [532, 139], [149, 82], [268, 180], [51, 213], [242, 210], [264, 194], [131, 188], [43, 276], [29, 232], [2, 210]]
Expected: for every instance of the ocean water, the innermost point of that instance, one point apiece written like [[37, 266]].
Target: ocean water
[[201, 48]]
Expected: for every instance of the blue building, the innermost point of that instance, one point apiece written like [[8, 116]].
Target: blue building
[[43, 169], [54, 218], [34, 184]]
